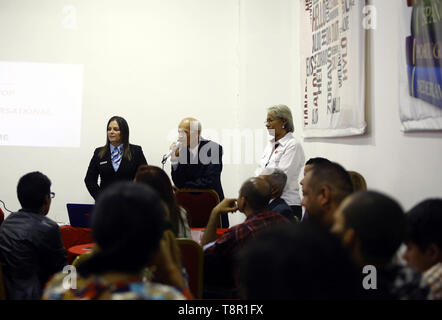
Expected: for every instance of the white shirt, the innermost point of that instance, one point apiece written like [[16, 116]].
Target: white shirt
[[289, 157]]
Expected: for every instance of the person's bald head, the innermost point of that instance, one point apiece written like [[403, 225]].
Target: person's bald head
[[277, 180], [189, 131], [256, 192]]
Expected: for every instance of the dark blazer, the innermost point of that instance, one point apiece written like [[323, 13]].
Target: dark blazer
[[103, 167], [279, 205], [201, 173]]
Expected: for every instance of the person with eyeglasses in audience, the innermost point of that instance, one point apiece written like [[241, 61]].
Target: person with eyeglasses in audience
[[31, 249]]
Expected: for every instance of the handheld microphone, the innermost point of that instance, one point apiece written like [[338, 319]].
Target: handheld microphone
[[173, 150]]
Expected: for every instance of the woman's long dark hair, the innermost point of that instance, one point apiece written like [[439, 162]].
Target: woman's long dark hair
[[124, 134], [127, 225], [160, 182]]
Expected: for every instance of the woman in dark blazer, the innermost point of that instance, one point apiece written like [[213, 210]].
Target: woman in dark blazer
[[118, 160]]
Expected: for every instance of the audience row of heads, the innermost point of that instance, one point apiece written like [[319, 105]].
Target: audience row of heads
[[130, 217], [308, 261], [348, 228], [128, 221]]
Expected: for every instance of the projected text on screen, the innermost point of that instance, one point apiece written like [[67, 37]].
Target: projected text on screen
[[40, 104]]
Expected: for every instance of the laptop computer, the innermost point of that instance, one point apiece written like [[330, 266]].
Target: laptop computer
[[80, 214]]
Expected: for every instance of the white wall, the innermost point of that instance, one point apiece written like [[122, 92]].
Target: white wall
[[222, 61], [403, 165], [153, 62]]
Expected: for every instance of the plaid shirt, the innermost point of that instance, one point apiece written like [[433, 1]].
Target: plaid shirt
[[404, 283], [237, 236], [433, 277], [219, 258]]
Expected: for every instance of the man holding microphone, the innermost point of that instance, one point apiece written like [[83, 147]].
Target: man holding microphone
[[197, 162]]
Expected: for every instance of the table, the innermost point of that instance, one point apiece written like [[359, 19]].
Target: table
[[77, 250]]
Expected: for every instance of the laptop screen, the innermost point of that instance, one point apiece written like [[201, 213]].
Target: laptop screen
[[80, 214]]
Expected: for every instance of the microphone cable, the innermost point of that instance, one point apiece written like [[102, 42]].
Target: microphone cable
[[4, 206]]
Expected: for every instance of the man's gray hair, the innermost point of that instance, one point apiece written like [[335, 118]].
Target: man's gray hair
[[277, 177], [282, 112]]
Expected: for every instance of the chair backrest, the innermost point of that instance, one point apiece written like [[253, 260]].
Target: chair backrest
[[192, 258], [2, 283], [198, 204], [2, 216]]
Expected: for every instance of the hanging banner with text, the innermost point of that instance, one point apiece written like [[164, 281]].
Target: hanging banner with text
[[420, 95], [332, 67]]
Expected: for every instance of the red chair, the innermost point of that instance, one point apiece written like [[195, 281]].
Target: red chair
[[198, 204], [2, 216], [73, 236], [2, 284], [192, 257]]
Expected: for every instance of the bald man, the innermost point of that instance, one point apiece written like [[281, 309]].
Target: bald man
[[197, 163]]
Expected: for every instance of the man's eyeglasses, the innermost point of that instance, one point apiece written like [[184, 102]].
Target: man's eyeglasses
[[52, 195]]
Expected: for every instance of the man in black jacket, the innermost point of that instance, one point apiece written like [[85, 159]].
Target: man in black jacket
[[197, 163], [30, 243]]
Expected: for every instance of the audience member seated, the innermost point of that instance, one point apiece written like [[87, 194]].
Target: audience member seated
[[324, 187], [372, 227], [308, 166], [312, 161], [358, 181], [424, 243], [219, 254], [160, 182], [297, 262], [30, 242], [277, 180], [128, 225]]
